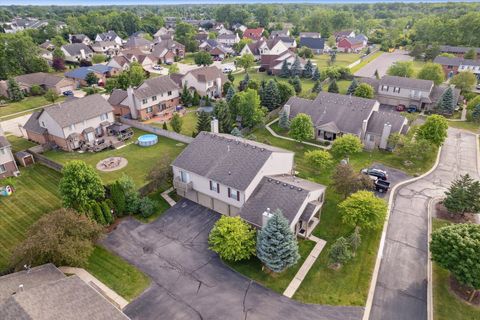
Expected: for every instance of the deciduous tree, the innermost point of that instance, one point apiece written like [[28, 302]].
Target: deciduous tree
[[401, 69], [203, 58], [320, 159], [364, 90], [246, 61], [346, 181], [363, 209], [346, 145], [232, 238], [301, 127], [464, 80], [432, 71], [434, 129]]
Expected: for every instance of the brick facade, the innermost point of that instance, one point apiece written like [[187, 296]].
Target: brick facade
[[11, 167], [163, 107]]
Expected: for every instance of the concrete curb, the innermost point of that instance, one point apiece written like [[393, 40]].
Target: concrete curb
[[429, 265], [273, 133], [373, 282]]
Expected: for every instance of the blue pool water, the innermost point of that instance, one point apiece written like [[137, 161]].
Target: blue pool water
[[147, 140]]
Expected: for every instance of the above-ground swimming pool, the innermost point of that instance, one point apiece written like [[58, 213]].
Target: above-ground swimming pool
[[147, 140]]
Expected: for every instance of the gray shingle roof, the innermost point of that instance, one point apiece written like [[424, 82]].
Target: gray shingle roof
[[345, 112], [226, 159], [379, 119], [48, 294], [39, 78], [438, 91], [205, 74], [117, 96], [33, 125], [73, 49], [402, 82], [135, 42], [276, 192], [456, 61], [155, 86], [108, 36], [454, 49], [75, 111], [312, 43]]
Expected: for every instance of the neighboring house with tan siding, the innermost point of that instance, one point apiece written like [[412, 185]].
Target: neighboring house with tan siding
[[235, 176], [70, 123], [44, 80], [206, 81]]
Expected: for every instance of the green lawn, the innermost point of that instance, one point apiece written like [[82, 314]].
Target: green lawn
[[465, 125], [140, 159], [162, 206], [350, 284], [117, 274], [189, 59], [189, 123], [253, 269], [25, 105], [19, 144], [366, 61], [36, 193], [446, 305], [343, 59]]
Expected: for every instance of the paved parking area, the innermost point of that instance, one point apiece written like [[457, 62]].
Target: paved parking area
[[191, 282], [382, 63]]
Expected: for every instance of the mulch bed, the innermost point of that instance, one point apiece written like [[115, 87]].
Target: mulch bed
[[464, 292], [442, 213]]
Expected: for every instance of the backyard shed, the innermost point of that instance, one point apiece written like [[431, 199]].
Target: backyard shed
[[24, 158]]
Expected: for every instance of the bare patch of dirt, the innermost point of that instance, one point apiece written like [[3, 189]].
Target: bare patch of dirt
[[463, 292], [442, 213]]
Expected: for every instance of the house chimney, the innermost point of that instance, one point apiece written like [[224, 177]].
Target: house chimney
[[387, 128], [286, 108], [214, 125], [20, 288], [364, 128], [131, 103], [82, 54], [266, 216]]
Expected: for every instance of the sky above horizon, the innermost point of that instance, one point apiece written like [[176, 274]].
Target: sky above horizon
[[178, 2]]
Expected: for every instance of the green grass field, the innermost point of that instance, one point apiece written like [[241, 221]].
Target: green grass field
[[36, 193], [446, 305], [117, 274], [189, 123], [366, 61], [140, 159], [162, 206], [342, 60], [253, 269], [19, 144], [24, 106]]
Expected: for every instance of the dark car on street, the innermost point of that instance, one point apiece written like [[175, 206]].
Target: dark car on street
[[378, 173]]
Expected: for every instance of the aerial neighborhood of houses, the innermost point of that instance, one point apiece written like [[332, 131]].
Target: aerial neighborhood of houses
[[304, 156]]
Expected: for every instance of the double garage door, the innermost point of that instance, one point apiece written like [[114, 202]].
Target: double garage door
[[213, 204]]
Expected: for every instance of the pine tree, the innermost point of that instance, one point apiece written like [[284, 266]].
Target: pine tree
[[316, 74], [317, 87], [235, 132], [118, 197], [271, 96], [333, 87], [308, 69], [176, 123], [14, 90], [284, 122], [277, 246], [297, 85], [244, 83], [352, 87], [203, 122], [98, 214], [445, 104], [107, 215], [230, 93], [340, 251], [476, 113], [221, 112], [195, 99], [285, 71], [186, 97], [355, 239], [296, 69], [164, 126]]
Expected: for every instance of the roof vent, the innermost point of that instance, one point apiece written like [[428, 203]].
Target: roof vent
[[254, 147], [229, 172], [262, 149], [284, 184], [238, 142], [299, 189], [269, 179], [278, 182], [292, 187]]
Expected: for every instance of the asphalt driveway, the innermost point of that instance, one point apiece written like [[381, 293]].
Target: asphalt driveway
[[382, 63], [191, 282]]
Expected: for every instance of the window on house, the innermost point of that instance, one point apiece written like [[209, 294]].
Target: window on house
[[144, 101], [72, 127], [169, 93], [384, 88], [104, 117], [2, 151], [2, 168], [184, 177], [396, 89], [149, 109], [234, 194], [450, 67], [214, 186], [154, 98]]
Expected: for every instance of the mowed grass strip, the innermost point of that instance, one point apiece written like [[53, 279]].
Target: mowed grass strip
[[116, 273], [36, 193]]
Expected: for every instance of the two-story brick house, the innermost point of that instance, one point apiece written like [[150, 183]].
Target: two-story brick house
[[452, 66], [235, 176]]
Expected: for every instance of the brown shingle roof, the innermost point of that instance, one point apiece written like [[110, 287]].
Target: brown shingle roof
[[205, 74]]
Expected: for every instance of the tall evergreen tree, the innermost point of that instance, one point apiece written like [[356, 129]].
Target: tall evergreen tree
[[186, 97], [317, 87], [271, 96], [333, 87], [221, 112], [308, 69], [203, 122], [277, 246], [230, 93], [285, 71], [476, 113], [445, 104], [236, 132], [316, 74], [244, 83], [284, 122], [14, 90], [296, 69], [297, 85], [352, 87], [195, 98]]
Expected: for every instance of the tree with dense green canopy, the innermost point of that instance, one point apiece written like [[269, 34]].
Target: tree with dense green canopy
[[472, 103], [271, 96], [133, 77], [203, 122], [91, 79], [301, 127], [232, 238], [470, 54], [51, 95], [340, 251], [364, 90], [463, 196], [185, 96], [363, 209], [445, 103], [296, 68], [241, 44], [246, 61], [464, 80], [316, 74], [80, 184], [173, 68], [333, 87], [98, 58], [14, 91], [401, 69], [432, 71], [107, 214], [117, 194], [285, 71], [455, 248], [434, 129], [203, 58], [346, 145], [63, 237], [345, 180], [317, 87], [185, 34], [297, 84], [132, 196], [230, 93], [221, 112], [320, 159], [353, 85], [176, 122], [248, 108], [308, 69], [283, 121], [97, 214], [277, 245], [285, 90], [476, 114]]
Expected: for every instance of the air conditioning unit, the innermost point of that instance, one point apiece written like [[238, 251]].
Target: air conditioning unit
[[16, 173]]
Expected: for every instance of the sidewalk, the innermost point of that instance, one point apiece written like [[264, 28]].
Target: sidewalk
[[167, 198], [105, 291], [306, 266]]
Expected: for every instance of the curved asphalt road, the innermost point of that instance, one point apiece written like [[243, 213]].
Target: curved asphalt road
[[401, 289], [190, 282]]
